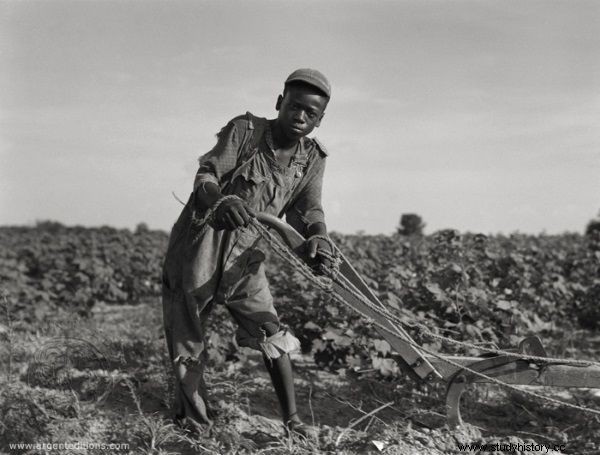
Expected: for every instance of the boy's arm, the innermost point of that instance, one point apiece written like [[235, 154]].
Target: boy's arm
[[221, 159], [318, 228], [214, 167], [309, 211]]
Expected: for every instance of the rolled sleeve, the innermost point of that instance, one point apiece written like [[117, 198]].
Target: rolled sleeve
[[308, 206], [221, 160]]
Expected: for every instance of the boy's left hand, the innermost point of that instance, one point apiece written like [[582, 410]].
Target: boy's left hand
[[313, 245]]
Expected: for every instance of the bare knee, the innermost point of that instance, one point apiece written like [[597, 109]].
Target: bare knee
[[271, 328]]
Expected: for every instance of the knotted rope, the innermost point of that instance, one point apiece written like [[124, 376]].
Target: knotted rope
[[209, 215]]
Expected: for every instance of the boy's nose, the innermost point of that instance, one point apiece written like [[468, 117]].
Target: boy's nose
[[300, 117]]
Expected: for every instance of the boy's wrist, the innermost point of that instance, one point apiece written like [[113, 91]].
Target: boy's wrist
[[318, 228], [207, 194]]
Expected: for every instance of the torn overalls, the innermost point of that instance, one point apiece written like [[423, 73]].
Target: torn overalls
[[225, 267]]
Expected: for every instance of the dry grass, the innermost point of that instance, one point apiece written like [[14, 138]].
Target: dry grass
[[124, 397]]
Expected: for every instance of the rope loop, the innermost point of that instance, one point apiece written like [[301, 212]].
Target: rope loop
[[219, 202], [209, 215]]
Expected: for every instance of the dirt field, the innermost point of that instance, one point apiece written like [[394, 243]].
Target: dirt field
[[116, 388]]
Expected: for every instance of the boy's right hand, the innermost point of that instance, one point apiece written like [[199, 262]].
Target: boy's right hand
[[232, 214]]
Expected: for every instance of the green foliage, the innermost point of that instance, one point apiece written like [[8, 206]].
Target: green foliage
[[53, 266], [491, 290], [486, 290]]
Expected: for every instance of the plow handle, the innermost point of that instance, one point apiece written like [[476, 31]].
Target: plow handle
[[290, 236], [413, 359]]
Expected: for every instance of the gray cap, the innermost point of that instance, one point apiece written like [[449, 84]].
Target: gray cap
[[311, 77]]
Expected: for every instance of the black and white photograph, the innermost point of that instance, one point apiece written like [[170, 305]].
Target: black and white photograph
[[300, 227]]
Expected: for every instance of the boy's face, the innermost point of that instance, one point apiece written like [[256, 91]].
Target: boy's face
[[300, 110]]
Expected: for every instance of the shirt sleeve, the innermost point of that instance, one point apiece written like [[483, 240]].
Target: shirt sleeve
[[222, 159], [308, 205]]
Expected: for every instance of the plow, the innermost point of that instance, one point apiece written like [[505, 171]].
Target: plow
[[526, 365]]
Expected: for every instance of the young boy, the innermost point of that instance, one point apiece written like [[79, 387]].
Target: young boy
[[271, 166]]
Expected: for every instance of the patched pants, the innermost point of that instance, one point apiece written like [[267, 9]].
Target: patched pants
[[217, 267]]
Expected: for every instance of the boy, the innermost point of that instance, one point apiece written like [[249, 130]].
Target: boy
[[271, 166]]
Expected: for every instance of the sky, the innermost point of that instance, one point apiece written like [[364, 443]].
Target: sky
[[482, 116]]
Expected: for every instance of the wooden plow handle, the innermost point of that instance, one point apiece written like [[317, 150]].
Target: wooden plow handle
[[411, 359]]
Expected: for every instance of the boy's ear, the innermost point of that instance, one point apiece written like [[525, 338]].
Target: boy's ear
[[278, 103], [318, 124]]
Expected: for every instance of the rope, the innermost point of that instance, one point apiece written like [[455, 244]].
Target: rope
[[280, 248], [382, 311], [504, 384], [424, 330], [555, 360], [209, 215], [326, 284]]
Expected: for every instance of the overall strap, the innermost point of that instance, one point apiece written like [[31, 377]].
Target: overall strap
[[256, 127]]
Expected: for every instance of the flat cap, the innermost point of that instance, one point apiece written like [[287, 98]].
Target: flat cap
[[311, 77]]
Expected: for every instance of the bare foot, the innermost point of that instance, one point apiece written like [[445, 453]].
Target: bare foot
[[294, 426]]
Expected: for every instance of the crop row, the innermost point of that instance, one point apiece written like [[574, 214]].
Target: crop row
[[489, 290]]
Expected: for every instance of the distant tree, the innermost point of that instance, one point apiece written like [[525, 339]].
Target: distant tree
[[593, 226], [411, 224], [142, 228], [49, 226]]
